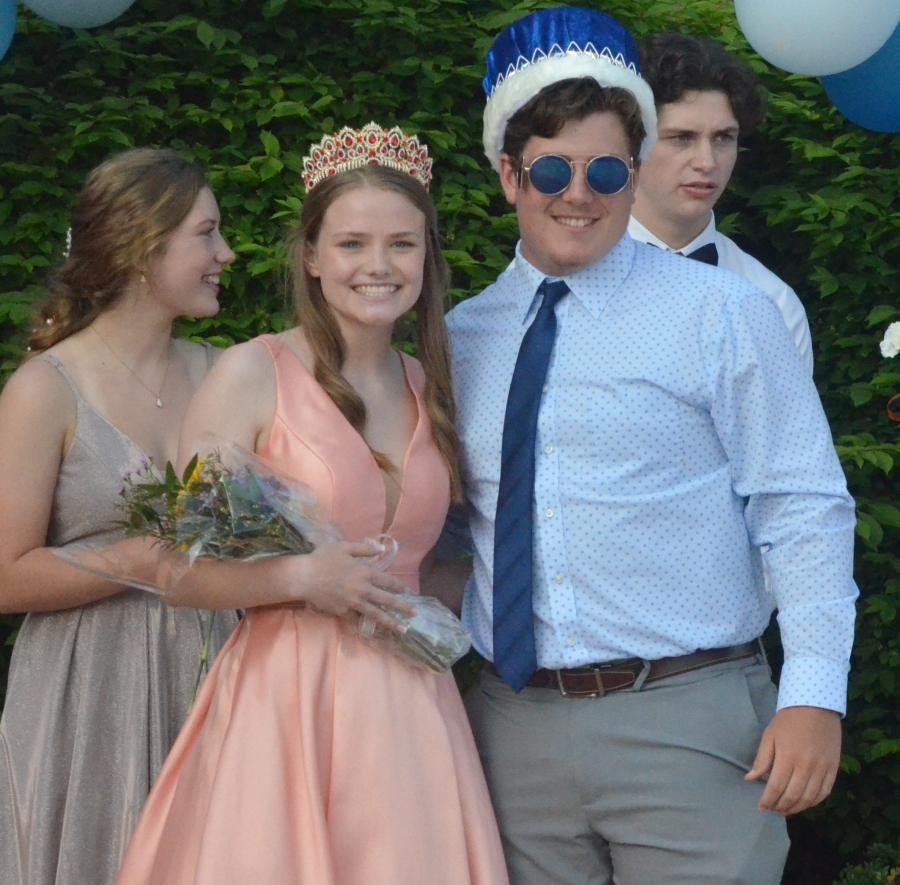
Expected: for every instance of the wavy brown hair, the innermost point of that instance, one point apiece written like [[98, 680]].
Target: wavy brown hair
[[674, 64], [125, 213], [322, 331]]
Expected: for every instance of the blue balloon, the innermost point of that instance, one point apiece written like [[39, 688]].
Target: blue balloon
[[7, 24], [78, 13], [869, 94]]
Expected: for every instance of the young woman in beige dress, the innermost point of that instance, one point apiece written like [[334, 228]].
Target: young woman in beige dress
[[102, 677]]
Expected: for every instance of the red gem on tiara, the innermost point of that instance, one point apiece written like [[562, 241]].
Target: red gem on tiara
[[371, 145]]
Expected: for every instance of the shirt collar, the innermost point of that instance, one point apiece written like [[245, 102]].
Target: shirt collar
[[644, 235], [593, 286], [704, 238]]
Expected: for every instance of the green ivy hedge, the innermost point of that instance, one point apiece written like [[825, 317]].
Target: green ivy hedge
[[244, 88], [881, 866]]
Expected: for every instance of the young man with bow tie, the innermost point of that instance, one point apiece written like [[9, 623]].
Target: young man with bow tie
[[635, 428], [707, 102]]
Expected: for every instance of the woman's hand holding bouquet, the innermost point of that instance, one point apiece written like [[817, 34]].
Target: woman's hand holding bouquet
[[339, 579], [231, 505]]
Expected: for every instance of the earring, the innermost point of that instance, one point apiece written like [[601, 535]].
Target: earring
[[143, 279]]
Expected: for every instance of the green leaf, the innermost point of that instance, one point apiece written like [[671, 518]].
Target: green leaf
[[271, 8], [883, 748], [269, 168], [860, 394], [171, 476], [886, 514], [882, 314], [205, 34], [270, 143], [882, 460], [868, 528], [188, 471]]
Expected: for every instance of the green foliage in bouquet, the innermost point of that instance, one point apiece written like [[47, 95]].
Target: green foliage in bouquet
[[213, 511]]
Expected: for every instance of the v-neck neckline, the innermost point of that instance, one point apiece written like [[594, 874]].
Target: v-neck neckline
[[81, 402], [386, 528], [121, 433]]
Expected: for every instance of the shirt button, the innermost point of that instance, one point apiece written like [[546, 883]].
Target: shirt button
[[560, 579], [570, 642], [548, 450], [545, 388], [549, 514]]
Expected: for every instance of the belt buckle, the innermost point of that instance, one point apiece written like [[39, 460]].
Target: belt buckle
[[599, 693]]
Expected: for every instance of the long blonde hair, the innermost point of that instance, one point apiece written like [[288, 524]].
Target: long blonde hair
[[125, 213], [324, 335]]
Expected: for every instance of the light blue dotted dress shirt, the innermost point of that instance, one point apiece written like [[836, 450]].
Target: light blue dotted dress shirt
[[679, 432]]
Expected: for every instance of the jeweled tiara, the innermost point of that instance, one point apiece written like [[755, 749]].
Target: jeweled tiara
[[371, 145]]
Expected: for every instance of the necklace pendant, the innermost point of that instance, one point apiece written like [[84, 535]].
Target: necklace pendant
[[159, 403]]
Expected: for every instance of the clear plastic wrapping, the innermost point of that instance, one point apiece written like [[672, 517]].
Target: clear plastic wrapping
[[230, 504]]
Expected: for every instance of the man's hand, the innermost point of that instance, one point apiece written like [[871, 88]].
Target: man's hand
[[800, 751]]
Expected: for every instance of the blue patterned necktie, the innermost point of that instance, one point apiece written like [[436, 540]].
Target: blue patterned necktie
[[515, 657]]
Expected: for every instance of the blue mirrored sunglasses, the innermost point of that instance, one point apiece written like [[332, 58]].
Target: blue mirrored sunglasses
[[551, 174]]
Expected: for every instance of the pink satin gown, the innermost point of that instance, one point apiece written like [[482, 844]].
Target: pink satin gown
[[311, 758]]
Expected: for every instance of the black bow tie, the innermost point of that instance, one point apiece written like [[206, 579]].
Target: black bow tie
[[708, 254]]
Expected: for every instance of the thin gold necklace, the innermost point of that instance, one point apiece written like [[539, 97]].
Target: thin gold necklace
[[159, 402]]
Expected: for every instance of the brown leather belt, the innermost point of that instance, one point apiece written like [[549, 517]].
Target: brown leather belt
[[596, 680]]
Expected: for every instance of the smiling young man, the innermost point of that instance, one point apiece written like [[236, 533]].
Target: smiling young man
[[707, 102], [635, 428]]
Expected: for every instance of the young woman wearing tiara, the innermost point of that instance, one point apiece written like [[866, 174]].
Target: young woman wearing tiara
[[311, 757], [101, 677]]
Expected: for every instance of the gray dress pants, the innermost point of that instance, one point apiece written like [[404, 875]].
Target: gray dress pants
[[634, 788]]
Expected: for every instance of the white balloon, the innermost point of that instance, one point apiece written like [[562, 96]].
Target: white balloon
[[817, 37], [80, 13]]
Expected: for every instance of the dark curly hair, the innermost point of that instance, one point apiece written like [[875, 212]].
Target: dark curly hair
[[673, 64]]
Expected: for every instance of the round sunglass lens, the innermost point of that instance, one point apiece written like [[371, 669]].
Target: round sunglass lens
[[550, 175], [607, 175]]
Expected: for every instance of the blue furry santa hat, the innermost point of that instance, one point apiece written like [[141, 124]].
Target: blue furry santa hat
[[559, 44]]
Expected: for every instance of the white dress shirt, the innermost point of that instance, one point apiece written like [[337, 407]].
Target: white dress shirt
[[735, 259], [678, 434]]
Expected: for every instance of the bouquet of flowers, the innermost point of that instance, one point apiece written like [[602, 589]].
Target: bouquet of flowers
[[226, 512], [231, 504]]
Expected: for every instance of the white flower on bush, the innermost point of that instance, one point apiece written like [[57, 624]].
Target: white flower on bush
[[890, 344]]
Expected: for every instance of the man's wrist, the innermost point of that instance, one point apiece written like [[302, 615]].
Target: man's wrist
[[813, 682]]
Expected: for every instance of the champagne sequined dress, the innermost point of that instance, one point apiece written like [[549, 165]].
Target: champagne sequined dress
[[96, 694], [310, 757]]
